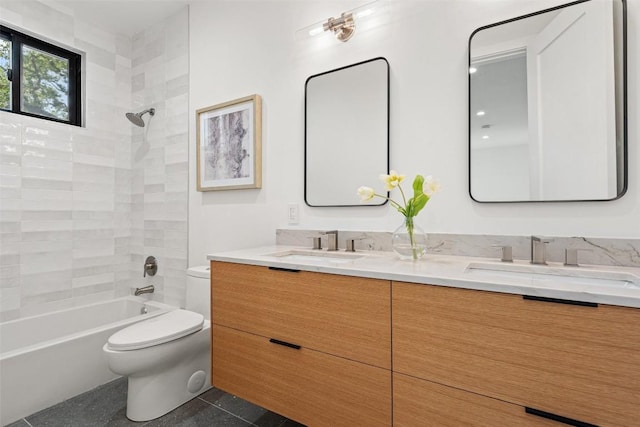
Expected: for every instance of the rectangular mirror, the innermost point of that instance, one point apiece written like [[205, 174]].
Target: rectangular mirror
[[346, 132], [547, 105]]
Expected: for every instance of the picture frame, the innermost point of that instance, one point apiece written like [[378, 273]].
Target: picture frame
[[229, 145]]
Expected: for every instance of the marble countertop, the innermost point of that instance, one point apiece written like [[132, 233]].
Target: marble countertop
[[587, 283]]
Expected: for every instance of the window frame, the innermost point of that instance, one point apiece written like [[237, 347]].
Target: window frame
[[17, 40]]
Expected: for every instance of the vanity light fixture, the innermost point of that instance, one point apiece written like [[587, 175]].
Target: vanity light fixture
[[343, 27], [480, 113], [485, 136]]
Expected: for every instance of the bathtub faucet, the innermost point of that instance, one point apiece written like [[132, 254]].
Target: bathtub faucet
[[146, 290]]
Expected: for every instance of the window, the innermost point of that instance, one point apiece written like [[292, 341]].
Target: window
[[38, 79]]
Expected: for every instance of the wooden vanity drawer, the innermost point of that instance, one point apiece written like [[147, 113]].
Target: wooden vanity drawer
[[341, 315], [311, 387], [575, 361], [419, 402]]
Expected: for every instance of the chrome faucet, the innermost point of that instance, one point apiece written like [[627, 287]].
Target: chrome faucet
[[146, 290], [507, 252], [538, 255], [332, 240]]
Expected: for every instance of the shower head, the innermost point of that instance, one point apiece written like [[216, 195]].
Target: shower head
[[136, 118]]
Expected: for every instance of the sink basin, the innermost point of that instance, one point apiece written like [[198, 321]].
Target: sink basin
[[545, 274], [316, 256]]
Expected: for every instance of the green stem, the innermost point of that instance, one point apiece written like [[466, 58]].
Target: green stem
[[393, 203], [404, 199], [409, 225]]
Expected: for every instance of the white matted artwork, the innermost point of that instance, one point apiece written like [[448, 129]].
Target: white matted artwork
[[229, 152]]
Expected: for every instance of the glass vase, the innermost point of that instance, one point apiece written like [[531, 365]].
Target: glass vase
[[409, 241]]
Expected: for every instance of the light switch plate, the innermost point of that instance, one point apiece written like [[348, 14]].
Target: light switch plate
[[293, 213]]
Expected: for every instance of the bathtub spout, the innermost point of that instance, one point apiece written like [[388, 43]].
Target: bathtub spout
[[146, 290]]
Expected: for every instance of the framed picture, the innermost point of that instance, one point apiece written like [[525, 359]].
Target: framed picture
[[229, 148]]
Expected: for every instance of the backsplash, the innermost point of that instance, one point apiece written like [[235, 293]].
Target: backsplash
[[598, 251]]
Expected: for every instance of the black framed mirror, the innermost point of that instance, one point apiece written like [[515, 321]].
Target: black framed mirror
[[547, 105], [346, 132]]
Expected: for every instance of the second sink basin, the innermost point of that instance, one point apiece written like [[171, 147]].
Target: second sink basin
[[550, 274]]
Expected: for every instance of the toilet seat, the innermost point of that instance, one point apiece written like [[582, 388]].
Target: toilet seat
[[157, 330]]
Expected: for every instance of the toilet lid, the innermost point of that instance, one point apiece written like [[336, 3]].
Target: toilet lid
[[157, 330]]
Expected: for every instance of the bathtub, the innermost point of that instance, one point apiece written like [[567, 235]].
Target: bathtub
[[48, 358]]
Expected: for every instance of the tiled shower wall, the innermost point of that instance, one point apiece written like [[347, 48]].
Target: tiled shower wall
[[160, 162], [80, 206]]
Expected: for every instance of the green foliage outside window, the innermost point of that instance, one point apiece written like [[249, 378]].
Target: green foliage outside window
[[45, 84], [5, 61], [38, 78]]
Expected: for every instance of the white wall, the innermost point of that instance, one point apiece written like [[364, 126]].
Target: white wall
[[241, 48]]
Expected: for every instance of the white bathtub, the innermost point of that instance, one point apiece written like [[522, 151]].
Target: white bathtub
[[48, 358]]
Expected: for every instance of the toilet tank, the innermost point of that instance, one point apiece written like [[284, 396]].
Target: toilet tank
[[199, 290]]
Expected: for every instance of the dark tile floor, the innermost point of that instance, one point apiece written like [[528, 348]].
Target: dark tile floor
[[106, 406]]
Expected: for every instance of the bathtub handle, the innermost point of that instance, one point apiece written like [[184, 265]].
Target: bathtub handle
[[150, 266]]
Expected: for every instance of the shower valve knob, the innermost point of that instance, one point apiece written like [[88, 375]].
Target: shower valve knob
[[150, 266]]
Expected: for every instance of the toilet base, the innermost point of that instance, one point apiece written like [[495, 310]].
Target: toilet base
[[153, 394]]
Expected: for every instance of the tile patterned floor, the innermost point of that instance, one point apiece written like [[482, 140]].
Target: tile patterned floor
[[106, 406]]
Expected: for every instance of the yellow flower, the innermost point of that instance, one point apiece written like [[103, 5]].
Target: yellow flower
[[392, 180], [366, 193], [422, 191], [431, 186]]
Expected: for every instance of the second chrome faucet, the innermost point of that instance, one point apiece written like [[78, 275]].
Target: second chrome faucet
[[332, 240], [539, 252]]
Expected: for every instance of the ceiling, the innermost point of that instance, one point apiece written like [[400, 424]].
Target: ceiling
[[126, 17]]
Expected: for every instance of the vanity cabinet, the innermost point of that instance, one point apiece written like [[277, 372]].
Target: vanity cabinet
[[313, 347], [417, 402], [472, 347], [318, 348]]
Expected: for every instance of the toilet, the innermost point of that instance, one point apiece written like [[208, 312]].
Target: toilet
[[167, 358]]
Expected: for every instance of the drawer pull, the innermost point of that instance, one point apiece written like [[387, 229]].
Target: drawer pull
[[289, 270], [560, 301], [558, 418], [284, 343]]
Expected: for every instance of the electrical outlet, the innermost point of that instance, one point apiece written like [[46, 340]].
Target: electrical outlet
[[293, 213]]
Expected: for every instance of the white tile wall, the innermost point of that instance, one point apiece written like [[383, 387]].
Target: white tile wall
[[80, 208], [160, 79]]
